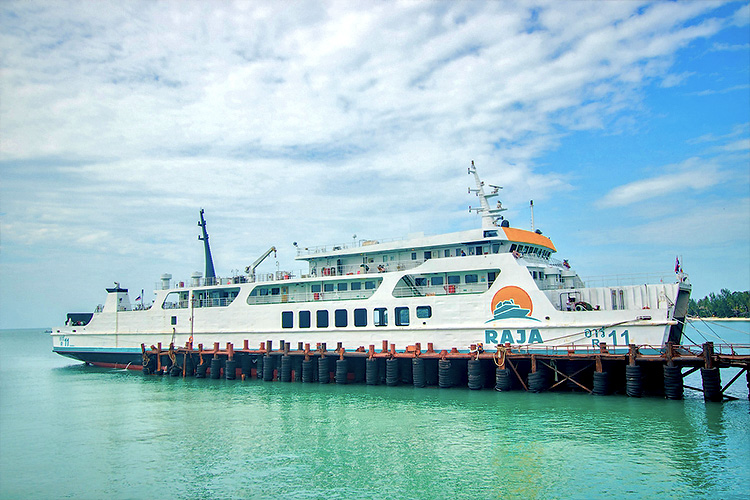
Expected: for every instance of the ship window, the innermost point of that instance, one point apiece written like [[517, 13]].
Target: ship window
[[424, 312], [321, 318], [427, 255], [315, 288], [478, 251], [328, 287], [380, 316], [513, 247], [287, 319], [420, 281], [447, 252], [369, 285], [360, 317], [414, 256], [402, 316], [436, 281], [491, 278], [304, 319], [174, 320], [356, 285], [471, 278], [490, 233], [340, 318], [343, 287], [496, 248], [263, 291], [614, 300], [275, 291], [454, 280]]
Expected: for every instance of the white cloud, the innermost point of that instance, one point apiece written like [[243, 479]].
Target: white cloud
[[310, 120], [693, 174]]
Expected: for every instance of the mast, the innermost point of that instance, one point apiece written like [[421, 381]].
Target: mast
[[210, 273], [490, 216]]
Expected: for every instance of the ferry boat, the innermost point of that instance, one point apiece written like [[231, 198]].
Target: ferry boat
[[492, 286]]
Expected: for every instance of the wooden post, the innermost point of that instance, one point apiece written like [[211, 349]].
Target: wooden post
[[533, 363], [670, 347], [158, 357], [632, 353], [598, 363], [708, 354], [230, 351]]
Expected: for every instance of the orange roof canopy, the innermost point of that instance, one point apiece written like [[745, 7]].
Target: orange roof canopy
[[522, 236]]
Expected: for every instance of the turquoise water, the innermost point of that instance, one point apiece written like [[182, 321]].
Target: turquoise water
[[71, 431]]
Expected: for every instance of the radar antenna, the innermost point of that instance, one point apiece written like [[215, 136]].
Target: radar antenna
[[490, 216]]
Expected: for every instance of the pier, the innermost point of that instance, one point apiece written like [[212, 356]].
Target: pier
[[639, 371]]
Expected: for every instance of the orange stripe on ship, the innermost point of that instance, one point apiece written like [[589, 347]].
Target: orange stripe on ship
[[522, 236]]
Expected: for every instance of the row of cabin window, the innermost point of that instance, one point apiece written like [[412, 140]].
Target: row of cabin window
[[342, 286], [524, 249], [326, 287], [459, 252], [341, 317], [452, 280]]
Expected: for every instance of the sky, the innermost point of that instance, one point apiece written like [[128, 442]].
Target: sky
[[627, 123]]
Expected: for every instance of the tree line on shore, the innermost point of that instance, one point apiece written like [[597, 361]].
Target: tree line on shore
[[724, 305]]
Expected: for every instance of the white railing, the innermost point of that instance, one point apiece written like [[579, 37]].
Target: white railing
[[310, 297], [343, 246], [628, 279]]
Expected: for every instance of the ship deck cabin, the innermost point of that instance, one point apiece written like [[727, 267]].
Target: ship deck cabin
[[376, 256]]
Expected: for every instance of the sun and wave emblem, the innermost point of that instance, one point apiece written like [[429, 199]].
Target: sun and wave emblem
[[511, 302]]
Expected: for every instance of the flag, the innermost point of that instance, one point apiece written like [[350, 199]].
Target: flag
[[138, 298], [676, 264]]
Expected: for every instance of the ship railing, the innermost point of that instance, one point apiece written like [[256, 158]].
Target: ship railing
[[370, 268], [628, 279], [299, 296], [343, 246], [431, 290]]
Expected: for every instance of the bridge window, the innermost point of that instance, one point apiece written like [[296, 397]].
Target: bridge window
[[340, 318], [287, 319], [424, 312], [360, 317], [321, 318], [402, 316], [304, 319], [380, 316]]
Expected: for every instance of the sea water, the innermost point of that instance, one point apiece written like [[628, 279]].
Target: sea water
[[73, 431]]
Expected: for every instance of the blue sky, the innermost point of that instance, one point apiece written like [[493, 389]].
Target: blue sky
[[627, 123]]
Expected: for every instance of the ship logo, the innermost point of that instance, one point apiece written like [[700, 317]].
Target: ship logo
[[511, 302]]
